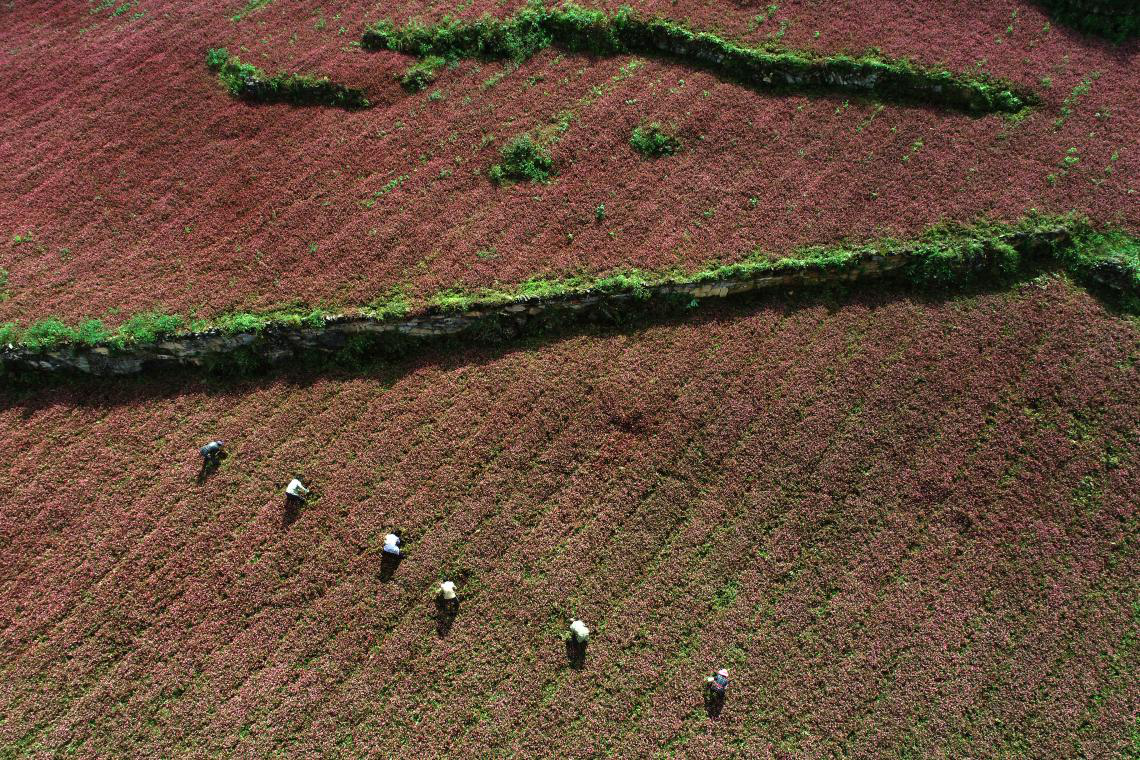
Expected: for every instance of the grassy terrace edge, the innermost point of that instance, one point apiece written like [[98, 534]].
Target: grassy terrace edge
[[577, 29], [248, 82], [944, 258]]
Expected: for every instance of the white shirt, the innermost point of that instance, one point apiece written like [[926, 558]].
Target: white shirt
[[391, 541], [295, 488], [447, 588], [580, 631]]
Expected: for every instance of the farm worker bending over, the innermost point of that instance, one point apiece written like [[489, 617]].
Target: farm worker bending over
[[579, 632], [296, 491], [576, 640], [212, 452], [446, 600], [392, 544], [718, 684]]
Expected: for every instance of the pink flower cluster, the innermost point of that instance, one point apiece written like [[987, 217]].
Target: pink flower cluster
[[904, 526]]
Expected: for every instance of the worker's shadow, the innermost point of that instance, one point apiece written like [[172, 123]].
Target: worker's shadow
[[446, 610], [575, 653], [714, 703], [389, 563], [291, 512], [210, 466]]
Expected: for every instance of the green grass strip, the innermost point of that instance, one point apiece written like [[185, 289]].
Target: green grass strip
[[246, 81], [581, 30], [943, 258], [251, 6]]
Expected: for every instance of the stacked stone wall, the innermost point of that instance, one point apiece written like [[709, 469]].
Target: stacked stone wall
[[278, 343]]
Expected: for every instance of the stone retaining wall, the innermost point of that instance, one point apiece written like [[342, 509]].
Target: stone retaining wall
[[281, 343]]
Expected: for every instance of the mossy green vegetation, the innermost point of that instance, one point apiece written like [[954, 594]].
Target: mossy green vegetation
[[943, 258], [536, 27], [1107, 257], [523, 160], [147, 327], [243, 322], [52, 332], [394, 305], [248, 82], [654, 141], [422, 73]]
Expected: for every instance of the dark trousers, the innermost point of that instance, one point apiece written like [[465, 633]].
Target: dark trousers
[[292, 509], [209, 465]]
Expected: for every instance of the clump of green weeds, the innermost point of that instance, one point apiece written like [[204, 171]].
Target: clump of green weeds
[[246, 81], [147, 327], [654, 141], [523, 160], [422, 73]]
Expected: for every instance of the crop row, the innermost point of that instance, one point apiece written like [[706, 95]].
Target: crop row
[[903, 525]]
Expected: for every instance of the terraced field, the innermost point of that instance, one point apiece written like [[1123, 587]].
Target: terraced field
[[140, 185], [906, 526], [898, 501]]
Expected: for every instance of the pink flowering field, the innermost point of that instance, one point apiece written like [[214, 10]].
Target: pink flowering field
[[133, 182], [907, 527]]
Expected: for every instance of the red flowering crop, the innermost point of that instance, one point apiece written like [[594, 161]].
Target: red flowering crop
[[135, 183], [907, 527], [904, 526]]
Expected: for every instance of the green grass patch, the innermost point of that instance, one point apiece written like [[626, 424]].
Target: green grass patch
[[248, 8], [92, 331], [147, 327], [239, 323], [388, 187], [53, 332], [422, 73], [391, 307], [1105, 258], [523, 160], [654, 141], [1070, 102], [726, 595], [47, 333]]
